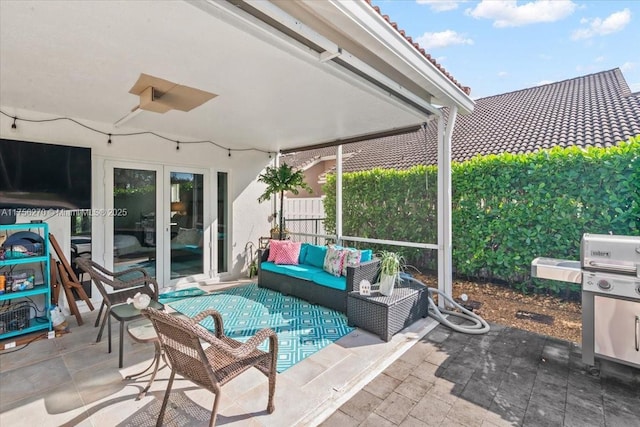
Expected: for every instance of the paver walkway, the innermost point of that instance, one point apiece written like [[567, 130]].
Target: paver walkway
[[508, 377]]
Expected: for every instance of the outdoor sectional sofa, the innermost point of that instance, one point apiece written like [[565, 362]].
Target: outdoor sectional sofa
[[307, 280]]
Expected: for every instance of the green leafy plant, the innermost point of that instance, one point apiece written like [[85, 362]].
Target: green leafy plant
[[506, 209], [253, 268], [391, 263], [279, 180]]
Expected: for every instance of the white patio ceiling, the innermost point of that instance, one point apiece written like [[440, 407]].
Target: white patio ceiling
[[79, 59]]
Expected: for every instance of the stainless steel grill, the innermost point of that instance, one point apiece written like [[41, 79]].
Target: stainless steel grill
[[609, 271]]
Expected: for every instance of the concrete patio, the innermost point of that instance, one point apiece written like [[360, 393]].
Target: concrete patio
[[426, 375]]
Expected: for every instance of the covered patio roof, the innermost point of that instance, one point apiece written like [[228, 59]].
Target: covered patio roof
[[286, 74]]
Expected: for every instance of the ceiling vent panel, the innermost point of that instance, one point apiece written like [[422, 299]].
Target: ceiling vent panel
[[160, 95]]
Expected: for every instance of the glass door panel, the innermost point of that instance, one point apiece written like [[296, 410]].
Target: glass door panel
[[186, 205], [134, 219], [223, 223]]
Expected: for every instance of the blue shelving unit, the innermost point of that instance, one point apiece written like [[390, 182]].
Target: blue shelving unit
[[9, 327]]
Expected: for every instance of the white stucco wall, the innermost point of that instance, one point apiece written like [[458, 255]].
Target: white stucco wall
[[249, 220]]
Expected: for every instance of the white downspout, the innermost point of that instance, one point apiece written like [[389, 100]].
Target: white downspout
[[339, 193], [445, 262]]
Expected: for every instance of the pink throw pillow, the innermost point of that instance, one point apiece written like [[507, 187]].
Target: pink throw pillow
[[288, 253], [274, 248]]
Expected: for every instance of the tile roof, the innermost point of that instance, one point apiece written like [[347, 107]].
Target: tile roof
[[596, 110], [465, 89]]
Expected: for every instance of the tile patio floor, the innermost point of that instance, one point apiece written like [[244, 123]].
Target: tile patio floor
[[426, 375], [73, 381], [508, 377]]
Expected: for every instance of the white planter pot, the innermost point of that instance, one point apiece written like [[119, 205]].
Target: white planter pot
[[387, 283]]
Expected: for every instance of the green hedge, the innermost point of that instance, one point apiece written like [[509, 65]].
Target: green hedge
[[371, 198], [507, 209]]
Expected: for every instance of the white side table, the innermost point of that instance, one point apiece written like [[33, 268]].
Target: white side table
[[142, 331]]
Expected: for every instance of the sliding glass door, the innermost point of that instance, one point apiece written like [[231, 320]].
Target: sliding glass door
[[186, 205]]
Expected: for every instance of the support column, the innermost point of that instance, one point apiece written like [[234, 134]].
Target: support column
[[339, 193], [276, 199], [445, 262]]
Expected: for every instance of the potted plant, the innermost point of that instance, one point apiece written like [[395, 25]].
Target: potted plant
[[391, 264], [275, 233], [253, 268], [280, 180]]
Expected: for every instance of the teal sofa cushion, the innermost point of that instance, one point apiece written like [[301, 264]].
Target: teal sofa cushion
[[303, 253], [329, 280], [301, 271], [315, 255], [366, 255]]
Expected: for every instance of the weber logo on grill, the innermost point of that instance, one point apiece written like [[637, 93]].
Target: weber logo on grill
[[605, 254]]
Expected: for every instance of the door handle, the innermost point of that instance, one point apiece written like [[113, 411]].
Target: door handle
[[637, 333]]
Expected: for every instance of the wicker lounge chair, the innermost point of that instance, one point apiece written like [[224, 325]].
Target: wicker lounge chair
[[137, 280], [211, 368]]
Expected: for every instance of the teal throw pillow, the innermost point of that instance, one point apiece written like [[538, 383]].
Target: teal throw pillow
[[315, 255]]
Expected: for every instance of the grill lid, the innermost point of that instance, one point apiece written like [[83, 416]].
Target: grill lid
[[617, 254]]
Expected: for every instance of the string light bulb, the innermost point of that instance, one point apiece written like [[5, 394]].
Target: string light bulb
[[14, 128]]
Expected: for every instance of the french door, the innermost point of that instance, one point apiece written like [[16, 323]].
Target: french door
[[160, 220]]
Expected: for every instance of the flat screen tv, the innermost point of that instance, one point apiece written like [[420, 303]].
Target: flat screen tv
[[44, 176]]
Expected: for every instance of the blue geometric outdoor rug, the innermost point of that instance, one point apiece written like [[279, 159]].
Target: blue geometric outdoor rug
[[302, 328]]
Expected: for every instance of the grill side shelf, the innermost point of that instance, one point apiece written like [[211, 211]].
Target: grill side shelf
[[557, 269]]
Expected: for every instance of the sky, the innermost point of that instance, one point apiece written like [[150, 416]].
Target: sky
[[499, 46]]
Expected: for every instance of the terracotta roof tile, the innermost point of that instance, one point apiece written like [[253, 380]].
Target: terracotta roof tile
[[465, 89], [592, 110]]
